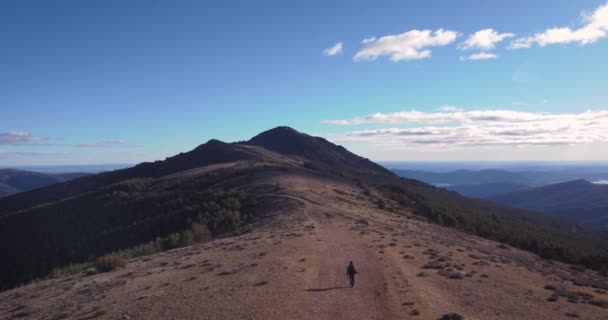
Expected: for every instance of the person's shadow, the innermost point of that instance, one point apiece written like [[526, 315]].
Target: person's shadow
[[325, 289]]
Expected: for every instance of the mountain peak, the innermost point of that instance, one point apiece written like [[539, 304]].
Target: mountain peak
[[279, 132], [288, 141], [283, 129]]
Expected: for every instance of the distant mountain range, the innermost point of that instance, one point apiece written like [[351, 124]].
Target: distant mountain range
[[579, 200], [547, 191], [530, 177], [14, 181], [486, 190]]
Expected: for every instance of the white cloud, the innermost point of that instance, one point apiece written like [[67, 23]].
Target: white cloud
[[595, 27], [368, 40], [479, 56], [405, 46], [333, 50], [481, 128], [17, 138], [449, 108], [484, 39]]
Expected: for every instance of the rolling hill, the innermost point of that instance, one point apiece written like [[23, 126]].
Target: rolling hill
[[487, 190], [578, 200], [14, 181]]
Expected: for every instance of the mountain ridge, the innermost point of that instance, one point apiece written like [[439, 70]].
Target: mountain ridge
[[213, 151], [579, 200], [215, 188]]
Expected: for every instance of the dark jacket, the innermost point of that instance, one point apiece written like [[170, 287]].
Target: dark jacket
[[351, 270]]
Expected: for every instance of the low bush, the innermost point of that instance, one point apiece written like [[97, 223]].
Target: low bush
[[110, 262], [451, 316]]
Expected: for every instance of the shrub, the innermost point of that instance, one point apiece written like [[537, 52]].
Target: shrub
[[433, 265], [69, 269], [451, 316], [261, 283], [381, 204], [110, 262], [578, 267], [600, 303]]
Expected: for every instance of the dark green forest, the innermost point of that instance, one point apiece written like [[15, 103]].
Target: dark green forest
[[118, 217]]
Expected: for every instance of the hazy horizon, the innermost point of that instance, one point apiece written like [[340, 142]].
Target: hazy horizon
[[437, 166]]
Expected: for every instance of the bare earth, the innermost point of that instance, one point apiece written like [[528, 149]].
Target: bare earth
[[292, 266]]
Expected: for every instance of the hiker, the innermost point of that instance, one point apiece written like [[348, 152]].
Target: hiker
[[351, 272]]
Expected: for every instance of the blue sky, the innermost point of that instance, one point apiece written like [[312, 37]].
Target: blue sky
[[85, 82]]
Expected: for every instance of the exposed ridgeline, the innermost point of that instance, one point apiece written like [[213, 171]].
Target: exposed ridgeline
[[212, 152], [210, 190]]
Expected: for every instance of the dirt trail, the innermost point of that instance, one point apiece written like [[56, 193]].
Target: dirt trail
[[333, 298]]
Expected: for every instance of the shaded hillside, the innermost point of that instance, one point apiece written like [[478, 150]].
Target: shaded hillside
[[14, 181], [153, 213], [211, 152], [577, 200]]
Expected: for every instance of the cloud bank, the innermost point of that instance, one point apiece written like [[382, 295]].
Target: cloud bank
[[409, 45], [25, 138], [595, 27], [480, 128], [17, 138]]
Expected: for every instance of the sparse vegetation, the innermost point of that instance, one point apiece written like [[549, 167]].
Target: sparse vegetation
[[451, 316], [602, 303], [578, 267], [550, 287], [110, 262], [517, 228], [261, 283]]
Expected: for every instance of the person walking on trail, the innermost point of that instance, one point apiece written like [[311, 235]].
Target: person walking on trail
[[351, 272]]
